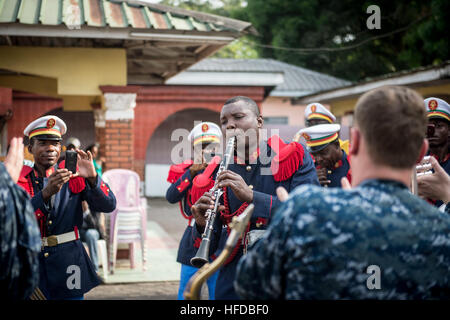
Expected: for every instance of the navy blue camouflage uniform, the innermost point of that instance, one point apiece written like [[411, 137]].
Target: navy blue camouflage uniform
[[20, 241], [321, 242]]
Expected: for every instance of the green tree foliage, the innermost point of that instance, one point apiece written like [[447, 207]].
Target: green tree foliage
[[238, 49], [416, 34], [413, 33]]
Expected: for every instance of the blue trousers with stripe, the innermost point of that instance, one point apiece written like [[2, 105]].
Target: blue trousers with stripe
[[187, 272]]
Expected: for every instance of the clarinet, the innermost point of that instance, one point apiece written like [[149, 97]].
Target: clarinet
[[203, 251]]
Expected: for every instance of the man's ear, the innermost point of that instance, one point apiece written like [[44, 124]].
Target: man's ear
[[355, 140], [30, 146], [260, 121], [423, 150]]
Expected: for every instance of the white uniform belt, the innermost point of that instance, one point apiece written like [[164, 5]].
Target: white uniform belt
[[192, 223], [52, 241]]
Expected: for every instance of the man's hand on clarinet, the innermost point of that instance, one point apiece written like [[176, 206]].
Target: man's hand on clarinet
[[235, 182], [199, 209]]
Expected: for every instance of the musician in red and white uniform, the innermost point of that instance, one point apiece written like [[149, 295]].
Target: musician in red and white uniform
[[258, 169], [438, 135], [189, 180], [332, 162], [65, 270]]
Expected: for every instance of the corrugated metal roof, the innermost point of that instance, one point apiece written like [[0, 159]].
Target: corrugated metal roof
[[415, 76], [113, 14], [297, 80]]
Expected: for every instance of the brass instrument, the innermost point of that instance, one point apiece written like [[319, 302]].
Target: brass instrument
[[423, 168], [238, 226], [203, 251], [37, 295]]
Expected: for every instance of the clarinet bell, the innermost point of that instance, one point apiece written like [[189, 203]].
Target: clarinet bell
[[202, 254]]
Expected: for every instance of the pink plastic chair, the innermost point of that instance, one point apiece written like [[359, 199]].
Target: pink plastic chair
[[128, 222]]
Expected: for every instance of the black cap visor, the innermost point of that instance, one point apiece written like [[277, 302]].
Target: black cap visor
[[51, 137]]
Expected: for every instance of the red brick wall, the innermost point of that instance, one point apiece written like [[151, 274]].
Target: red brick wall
[[118, 144]]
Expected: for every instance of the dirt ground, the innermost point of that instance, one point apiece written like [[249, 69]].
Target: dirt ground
[[166, 290]]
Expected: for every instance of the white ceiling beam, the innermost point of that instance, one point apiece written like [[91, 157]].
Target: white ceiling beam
[[227, 78]]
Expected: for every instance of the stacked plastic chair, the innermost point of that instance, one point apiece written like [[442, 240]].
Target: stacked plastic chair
[[128, 222]]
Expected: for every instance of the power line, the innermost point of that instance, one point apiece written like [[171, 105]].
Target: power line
[[328, 49]]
